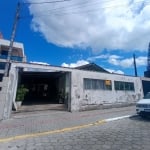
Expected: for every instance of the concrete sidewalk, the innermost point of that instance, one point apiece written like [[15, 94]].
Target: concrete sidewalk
[[42, 121]]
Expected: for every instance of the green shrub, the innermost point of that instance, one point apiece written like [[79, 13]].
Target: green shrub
[[21, 92]]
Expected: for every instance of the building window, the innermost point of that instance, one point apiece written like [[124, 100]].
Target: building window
[[124, 86], [87, 84], [3, 52], [97, 84]]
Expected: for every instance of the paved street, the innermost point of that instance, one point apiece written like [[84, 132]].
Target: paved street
[[89, 130]]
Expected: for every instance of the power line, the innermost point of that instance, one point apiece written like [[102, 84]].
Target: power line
[[59, 12], [79, 5], [58, 1], [92, 10]]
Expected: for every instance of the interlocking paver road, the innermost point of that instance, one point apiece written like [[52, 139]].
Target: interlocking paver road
[[131, 133]]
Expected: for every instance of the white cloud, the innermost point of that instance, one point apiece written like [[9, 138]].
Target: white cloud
[[73, 65], [127, 62], [120, 60], [115, 71], [141, 61], [40, 63], [98, 57], [114, 59], [115, 24]]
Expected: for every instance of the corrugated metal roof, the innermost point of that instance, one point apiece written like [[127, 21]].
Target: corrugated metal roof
[[92, 67]]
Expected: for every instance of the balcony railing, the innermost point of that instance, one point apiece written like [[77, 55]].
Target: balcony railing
[[3, 56], [15, 58]]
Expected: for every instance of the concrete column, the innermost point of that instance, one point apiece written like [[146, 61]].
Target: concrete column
[[3, 96], [8, 93]]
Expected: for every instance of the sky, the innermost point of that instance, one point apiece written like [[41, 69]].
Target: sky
[[71, 33]]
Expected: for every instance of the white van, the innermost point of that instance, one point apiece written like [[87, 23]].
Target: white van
[[143, 106]]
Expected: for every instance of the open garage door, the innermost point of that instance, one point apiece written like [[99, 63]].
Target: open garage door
[[46, 88], [146, 86]]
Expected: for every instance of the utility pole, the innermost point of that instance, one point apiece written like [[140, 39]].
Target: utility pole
[[147, 72], [135, 69], [7, 66], [148, 58]]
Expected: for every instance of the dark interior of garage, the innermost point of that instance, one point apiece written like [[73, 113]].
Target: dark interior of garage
[[43, 87], [146, 87]]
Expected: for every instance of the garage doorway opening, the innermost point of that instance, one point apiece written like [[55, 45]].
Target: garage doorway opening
[[146, 87], [46, 88]]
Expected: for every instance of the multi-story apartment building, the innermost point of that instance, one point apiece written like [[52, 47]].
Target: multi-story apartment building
[[16, 55], [17, 51]]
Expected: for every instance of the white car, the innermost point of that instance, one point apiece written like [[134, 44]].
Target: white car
[[143, 106]]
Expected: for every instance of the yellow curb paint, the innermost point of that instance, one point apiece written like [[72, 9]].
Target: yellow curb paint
[[99, 122], [19, 137]]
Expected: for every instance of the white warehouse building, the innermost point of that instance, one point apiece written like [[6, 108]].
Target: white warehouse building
[[83, 88]]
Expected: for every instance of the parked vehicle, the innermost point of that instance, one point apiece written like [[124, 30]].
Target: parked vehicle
[[143, 106]]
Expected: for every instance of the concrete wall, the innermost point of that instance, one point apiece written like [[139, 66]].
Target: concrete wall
[[89, 99]]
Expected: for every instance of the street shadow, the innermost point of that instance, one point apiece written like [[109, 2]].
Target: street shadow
[[139, 118]]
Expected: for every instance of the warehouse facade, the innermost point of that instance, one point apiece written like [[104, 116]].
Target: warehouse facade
[[83, 88], [80, 89]]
